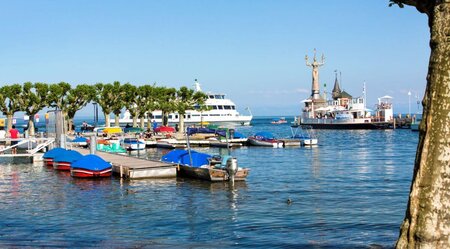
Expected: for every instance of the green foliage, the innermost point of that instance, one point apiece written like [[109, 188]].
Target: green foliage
[[187, 99], [34, 97], [78, 98], [58, 95], [10, 99]]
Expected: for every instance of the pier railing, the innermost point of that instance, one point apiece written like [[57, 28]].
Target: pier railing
[[30, 145]]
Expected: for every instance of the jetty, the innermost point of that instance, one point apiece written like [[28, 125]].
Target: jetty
[[133, 167]]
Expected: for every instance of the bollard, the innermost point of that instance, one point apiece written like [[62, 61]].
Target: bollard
[[92, 144]]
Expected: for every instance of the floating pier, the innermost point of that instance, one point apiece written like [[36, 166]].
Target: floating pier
[[135, 168]]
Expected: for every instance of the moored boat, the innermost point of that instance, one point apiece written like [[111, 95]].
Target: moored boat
[[51, 154], [90, 166], [265, 139], [203, 166], [64, 160], [133, 144], [281, 120]]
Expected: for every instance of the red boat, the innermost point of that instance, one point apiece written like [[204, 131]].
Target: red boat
[[64, 160], [90, 166], [167, 129], [50, 155]]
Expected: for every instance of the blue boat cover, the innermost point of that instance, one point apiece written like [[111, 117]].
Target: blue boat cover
[[238, 135], [53, 152], [191, 130], [91, 162], [80, 140], [265, 134], [182, 157], [69, 156], [132, 141]]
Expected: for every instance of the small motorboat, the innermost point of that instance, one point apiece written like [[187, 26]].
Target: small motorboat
[[164, 129], [281, 120], [64, 160], [91, 166], [133, 144], [265, 139], [80, 141], [203, 166], [306, 135], [49, 155]]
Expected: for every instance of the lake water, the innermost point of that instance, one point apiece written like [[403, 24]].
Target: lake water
[[349, 192]]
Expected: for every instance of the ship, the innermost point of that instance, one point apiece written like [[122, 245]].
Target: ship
[[221, 111], [342, 111]]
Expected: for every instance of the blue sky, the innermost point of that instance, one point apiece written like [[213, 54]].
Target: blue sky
[[252, 50]]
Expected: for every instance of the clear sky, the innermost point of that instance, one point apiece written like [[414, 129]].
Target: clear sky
[[252, 50]]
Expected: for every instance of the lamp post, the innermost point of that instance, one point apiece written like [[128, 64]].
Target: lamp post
[[409, 103], [95, 113]]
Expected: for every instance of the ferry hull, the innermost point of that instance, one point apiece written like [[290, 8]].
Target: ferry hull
[[350, 126]]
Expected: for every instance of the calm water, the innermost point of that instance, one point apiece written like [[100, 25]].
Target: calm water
[[348, 192]]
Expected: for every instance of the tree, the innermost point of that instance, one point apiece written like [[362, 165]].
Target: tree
[[34, 98], [58, 98], [188, 99], [119, 103], [78, 98], [105, 97], [10, 101], [166, 102], [130, 100], [427, 219], [150, 101]]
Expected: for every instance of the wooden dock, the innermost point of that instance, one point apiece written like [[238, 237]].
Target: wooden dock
[[133, 167]]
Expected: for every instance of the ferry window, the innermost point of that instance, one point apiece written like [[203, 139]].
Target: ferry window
[[218, 96], [204, 115], [176, 116], [233, 107], [170, 116], [157, 116], [195, 115], [214, 107], [227, 107], [211, 96], [220, 107], [360, 101], [214, 115], [189, 116]]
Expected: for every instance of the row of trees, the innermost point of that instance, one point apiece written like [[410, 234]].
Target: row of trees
[[111, 97]]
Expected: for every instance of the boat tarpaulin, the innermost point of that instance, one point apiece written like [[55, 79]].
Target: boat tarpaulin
[[91, 162], [182, 157], [53, 152], [191, 130], [68, 156]]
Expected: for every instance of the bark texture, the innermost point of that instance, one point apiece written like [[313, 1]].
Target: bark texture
[[427, 218]]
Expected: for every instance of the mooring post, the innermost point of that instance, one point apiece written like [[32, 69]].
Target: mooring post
[[92, 144]]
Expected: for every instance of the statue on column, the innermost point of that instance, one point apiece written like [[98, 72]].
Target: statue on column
[[315, 93]]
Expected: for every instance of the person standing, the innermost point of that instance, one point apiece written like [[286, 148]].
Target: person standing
[[14, 135]]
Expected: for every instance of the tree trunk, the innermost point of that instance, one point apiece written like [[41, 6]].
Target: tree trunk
[[181, 123], [9, 118], [427, 218], [135, 118], [31, 126], [116, 120], [142, 123], [107, 120]]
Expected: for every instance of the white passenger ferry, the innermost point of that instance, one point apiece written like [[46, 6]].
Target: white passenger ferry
[[222, 111]]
